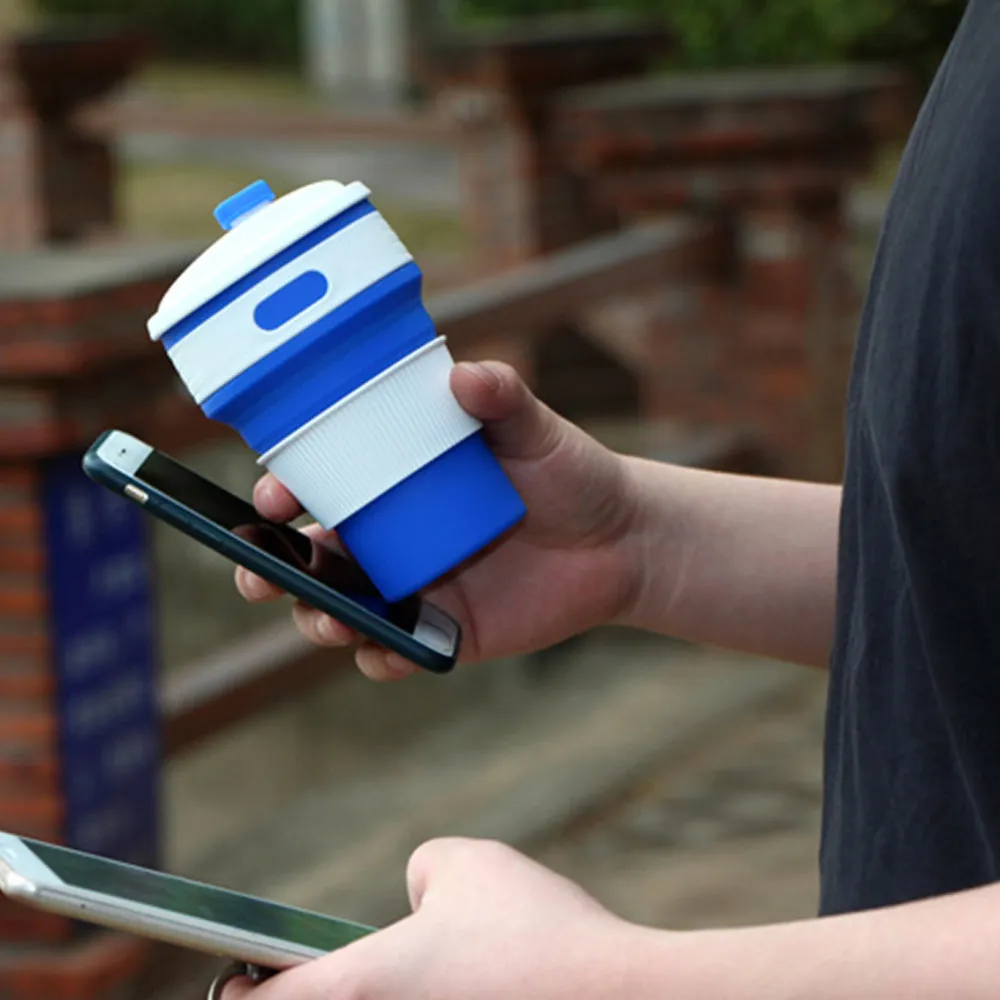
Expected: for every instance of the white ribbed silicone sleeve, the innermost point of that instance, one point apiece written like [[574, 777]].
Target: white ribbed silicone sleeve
[[374, 438]]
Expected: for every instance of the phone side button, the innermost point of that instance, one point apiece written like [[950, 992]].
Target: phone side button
[[134, 493]]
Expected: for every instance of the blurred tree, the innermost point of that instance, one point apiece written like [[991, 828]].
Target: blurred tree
[[713, 33], [252, 30], [720, 33], [914, 32]]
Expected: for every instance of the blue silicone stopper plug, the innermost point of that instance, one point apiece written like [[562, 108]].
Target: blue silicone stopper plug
[[229, 213]]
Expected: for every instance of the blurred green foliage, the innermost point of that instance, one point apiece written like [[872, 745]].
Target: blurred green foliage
[[722, 33], [712, 33], [233, 30]]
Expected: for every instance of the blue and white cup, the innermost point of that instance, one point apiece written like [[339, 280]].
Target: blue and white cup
[[304, 329]]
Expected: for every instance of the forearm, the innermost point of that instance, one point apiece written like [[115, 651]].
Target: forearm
[[940, 949], [738, 562]]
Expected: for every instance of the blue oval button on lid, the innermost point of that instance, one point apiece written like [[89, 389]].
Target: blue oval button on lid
[[229, 212]]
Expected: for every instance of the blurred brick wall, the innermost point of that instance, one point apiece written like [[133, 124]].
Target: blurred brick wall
[[74, 360]]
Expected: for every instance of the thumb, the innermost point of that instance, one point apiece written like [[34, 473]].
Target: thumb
[[428, 863], [518, 424]]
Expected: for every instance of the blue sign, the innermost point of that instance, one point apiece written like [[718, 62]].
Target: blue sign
[[104, 636]]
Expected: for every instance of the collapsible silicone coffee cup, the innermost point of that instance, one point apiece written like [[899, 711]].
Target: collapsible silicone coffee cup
[[304, 329]]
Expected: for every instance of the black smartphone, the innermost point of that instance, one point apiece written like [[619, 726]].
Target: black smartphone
[[314, 573]]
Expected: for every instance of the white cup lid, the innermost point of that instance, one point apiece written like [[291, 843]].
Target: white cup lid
[[260, 226]]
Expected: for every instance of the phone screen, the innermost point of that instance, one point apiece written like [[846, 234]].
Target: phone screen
[[192, 899], [291, 546]]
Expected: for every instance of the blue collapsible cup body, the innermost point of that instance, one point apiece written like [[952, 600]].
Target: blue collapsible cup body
[[434, 520], [310, 338]]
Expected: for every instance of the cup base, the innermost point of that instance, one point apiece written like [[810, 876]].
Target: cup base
[[434, 520]]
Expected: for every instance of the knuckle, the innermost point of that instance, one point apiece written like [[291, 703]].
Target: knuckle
[[422, 854], [427, 856], [511, 382], [332, 632], [488, 850], [452, 850], [305, 621]]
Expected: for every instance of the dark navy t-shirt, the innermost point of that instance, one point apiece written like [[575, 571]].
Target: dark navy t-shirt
[[912, 801]]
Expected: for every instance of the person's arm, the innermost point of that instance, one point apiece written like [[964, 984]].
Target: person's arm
[[739, 562], [939, 949], [524, 932]]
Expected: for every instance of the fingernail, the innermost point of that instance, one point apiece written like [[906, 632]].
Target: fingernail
[[262, 491], [397, 666], [484, 373], [328, 631]]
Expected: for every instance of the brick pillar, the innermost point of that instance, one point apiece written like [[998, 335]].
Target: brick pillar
[[671, 389], [687, 376], [522, 197], [769, 345], [499, 198], [57, 183], [22, 222], [773, 379], [763, 342], [833, 331], [519, 199], [29, 760], [79, 726], [79, 181], [792, 333]]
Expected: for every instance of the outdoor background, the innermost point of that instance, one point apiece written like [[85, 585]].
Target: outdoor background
[[715, 33], [680, 785]]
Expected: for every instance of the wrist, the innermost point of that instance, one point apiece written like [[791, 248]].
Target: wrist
[[630, 543], [626, 960], [731, 964], [650, 964], [653, 549]]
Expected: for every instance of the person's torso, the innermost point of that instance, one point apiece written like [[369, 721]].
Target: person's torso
[[912, 798]]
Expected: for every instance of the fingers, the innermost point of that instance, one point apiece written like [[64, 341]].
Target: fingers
[[316, 627], [375, 663], [351, 971], [378, 664], [518, 423], [256, 590], [274, 501], [320, 629], [423, 864], [429, 862], [238, 989]]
